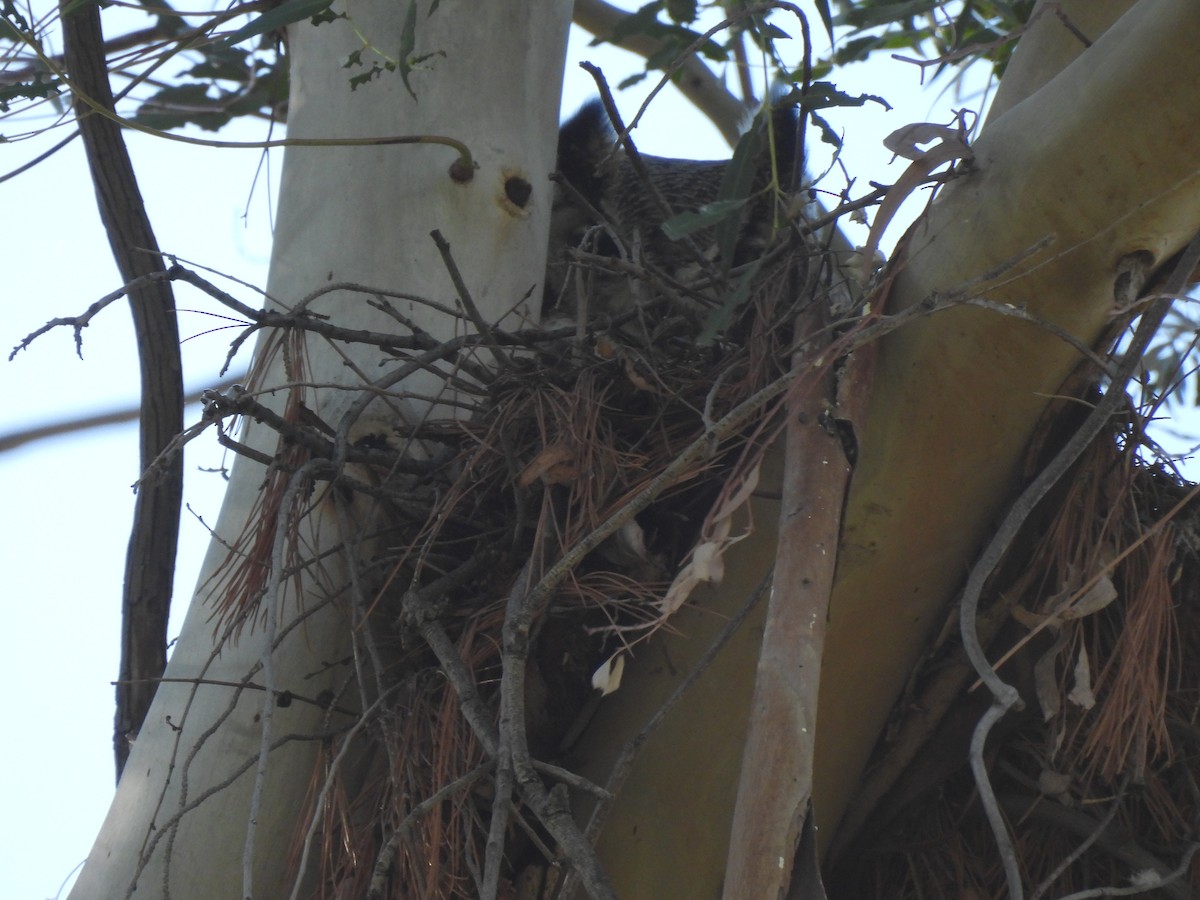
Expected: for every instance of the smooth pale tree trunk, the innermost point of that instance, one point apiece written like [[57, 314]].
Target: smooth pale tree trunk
[[1102, 159], [179, 822], [1087, 162]]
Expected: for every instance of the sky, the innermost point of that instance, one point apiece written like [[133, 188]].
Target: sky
[[68, 500]]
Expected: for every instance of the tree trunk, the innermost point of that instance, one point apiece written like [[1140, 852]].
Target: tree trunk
[[180, 824], [957, 395], [1083, 161]]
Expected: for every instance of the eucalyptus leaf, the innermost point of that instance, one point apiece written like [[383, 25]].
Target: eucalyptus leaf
[[706, 216], [285, 14]]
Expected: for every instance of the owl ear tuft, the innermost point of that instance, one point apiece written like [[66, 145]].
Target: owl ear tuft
[[585, 143]]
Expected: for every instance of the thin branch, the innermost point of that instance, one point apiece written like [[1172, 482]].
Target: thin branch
[[645, 181], [387, 852], [1087, 842], [1117, 843], [327, 787], [1155, 883], [281, 697], [94, 102], [418, 611], [19, 438], [468, 302]]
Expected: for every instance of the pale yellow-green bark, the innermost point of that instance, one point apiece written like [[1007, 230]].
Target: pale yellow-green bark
[[360, 214], [1102, 159]]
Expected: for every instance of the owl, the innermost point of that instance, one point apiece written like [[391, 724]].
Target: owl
[[604, 208]]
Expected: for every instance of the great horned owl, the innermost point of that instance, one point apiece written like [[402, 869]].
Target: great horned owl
[[609, 211]]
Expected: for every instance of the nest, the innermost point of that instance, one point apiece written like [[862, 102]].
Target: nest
[[536, 537], [562, 518]]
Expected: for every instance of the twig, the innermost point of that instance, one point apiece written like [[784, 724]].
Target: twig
[[511, 724], [14, 439], [1159, 882], [168, 829], [645, 181], [94, 101], [281, 697], [80, 322], [493, 854], [1075, 854], [234, 403], [1121, 846], [418, 611], [468, 302], [327, 785], [387, 852], [302, 319], [360, 608]]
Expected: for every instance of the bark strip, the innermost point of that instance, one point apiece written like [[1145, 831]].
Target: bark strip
[[775, 787]]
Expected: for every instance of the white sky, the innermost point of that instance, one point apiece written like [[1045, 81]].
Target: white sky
[[68, 501]]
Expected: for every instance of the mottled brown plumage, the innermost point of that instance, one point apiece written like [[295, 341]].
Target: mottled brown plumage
[[606, 208]]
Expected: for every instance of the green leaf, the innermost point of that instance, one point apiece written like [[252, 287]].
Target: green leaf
[[826, 18], [223, 63], [885, 13], [829, 134], [644, 21], [682, 11], [824, 95], [857, 49], [737, 182], [721, 317], [367, 77], [285, 14], [324, 18], [408, 42], [12, 20], [706, 216], [30, 90]]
